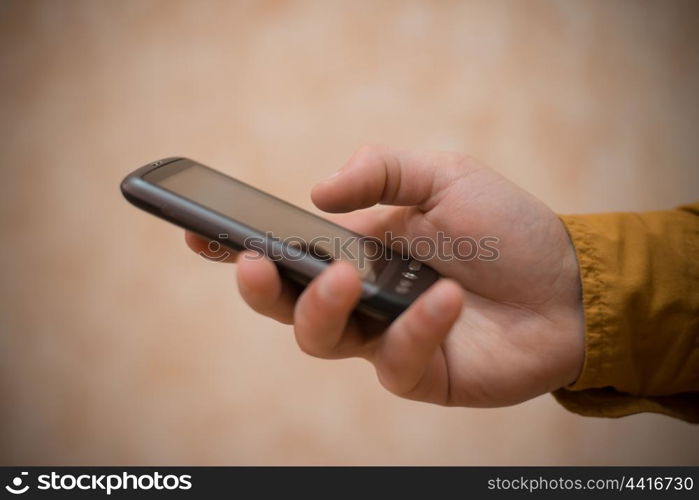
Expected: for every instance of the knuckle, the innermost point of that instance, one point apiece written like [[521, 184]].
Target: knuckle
[[466, 164], [285, 319], [258, 302], [458, 161], [396, 384], [367, 151], [261, 308], [307, 343], [310, 348]]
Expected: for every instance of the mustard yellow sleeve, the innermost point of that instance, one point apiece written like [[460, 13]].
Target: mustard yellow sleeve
[[640, 287]]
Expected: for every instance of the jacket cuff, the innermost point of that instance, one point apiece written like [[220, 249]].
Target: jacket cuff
[[599, 349], [611, 383]]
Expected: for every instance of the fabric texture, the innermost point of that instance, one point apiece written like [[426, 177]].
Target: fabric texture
[[640, 286]]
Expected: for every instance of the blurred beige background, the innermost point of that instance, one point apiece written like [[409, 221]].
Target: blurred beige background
[[118, 345]]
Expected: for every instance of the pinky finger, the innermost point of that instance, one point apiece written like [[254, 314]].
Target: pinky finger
[[408, 360]]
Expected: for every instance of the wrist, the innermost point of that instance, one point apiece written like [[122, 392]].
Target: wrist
[[575, 310]]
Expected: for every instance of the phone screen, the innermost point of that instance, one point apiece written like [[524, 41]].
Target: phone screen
[[270, 216]]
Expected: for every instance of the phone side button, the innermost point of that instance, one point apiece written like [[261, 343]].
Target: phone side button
[[415, 265], [402, 289]]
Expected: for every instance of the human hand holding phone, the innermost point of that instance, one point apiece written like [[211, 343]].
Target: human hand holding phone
[[491, 333]]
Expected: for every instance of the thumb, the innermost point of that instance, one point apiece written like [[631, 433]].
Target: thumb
[[379, 174]]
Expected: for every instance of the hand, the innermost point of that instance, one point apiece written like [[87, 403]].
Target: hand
[[492, 333]]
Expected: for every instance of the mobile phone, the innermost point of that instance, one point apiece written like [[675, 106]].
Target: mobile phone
[[301, 244]]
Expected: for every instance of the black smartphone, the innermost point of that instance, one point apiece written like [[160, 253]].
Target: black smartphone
[[301, 244]]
